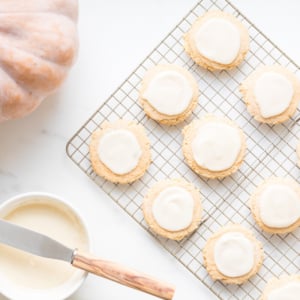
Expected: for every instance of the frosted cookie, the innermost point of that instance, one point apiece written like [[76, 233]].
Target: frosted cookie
[[213, 147], [233, 254], [217, 41], [169, 94], [120, 151], [275, 205], [172, 208], [271, 94], [283, 288]]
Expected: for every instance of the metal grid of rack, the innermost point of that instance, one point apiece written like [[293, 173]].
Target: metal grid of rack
[[271, 151]]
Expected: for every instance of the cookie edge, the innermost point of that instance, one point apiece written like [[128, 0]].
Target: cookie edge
[[206, 63], [208, 255], [101, 170], [189, 132], [151, 112], [152, 194]]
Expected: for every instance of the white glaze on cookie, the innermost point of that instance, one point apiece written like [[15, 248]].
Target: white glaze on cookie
[[173, 208], [169, 92], [289, 291], [216, 146], [273, 93], [279, 206], [120, 151], [218, 40], [234, 254]]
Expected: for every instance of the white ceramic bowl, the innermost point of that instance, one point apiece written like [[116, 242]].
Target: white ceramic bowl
[[15, 292]]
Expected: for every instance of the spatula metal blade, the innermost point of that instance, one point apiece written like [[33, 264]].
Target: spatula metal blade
[[33, 242]]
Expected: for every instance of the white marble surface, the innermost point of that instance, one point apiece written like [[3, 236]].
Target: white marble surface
[[115, 35]]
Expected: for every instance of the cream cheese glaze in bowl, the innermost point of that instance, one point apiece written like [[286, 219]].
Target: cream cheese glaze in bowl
[[24, 276]]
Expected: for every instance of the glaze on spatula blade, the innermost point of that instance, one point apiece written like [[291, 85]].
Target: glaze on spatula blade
[[33, 242], [41, 245]]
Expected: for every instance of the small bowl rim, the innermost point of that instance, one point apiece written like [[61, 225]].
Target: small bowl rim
[[22, 197]]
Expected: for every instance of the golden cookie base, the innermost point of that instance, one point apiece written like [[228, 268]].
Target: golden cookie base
[[247, 91], [151, 112], [255, 208], [189, 133], [151, 196], [191, 49], [276, 283], [208, 255], [145, 159]]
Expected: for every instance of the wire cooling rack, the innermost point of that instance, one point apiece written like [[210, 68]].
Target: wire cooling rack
[[271, 151]]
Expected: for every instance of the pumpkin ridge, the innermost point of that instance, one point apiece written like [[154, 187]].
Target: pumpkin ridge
[[38, 45]]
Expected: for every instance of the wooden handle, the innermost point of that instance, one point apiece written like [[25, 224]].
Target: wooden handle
[[123, 275]]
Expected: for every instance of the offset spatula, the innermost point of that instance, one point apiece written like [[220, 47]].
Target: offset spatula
[[41, 245]]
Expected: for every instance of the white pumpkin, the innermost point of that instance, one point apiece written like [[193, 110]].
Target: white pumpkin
[[38, 44]]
